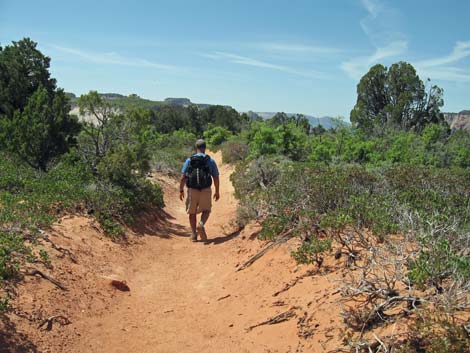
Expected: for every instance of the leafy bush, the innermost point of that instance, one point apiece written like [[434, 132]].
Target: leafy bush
[[216, 135], [169, 152], [440, 333], [289, 140], [13, 252], [310, 251]]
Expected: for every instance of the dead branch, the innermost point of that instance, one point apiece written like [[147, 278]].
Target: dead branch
[[224, 297], [284, 316], [294, 282], [50, 320], [60, 249], [35, 271], [282, 239]]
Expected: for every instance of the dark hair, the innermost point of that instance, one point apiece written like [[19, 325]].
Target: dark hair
[[200, 144]]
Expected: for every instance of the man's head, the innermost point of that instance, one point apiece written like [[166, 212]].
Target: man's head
[[200, 146]]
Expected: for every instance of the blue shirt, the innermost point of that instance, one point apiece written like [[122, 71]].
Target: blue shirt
[[213, 170]]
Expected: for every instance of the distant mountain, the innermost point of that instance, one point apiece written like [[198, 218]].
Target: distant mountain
[[122, 102], [326, 121], [178, 101], [458, 120]]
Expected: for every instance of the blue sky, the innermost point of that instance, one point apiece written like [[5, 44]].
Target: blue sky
[[293, 56]]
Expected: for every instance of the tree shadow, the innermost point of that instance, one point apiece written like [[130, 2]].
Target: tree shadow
[[157, 222], [223, 239], [13, 341]]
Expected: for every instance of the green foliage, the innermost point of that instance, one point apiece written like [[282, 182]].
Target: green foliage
[[29, 197], [395, 97], [310, 251], [216, 135], [436, 263], [197, 120], [23, 69], [169, 151], [3, 304], [42, 131], [437, 333], [273, 226], [115, 205], [289, 140], [13, 252], [34, 115], [435, 146], [297, 196], [44, 256]]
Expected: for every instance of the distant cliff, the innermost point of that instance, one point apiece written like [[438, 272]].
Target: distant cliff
[[458, 120]]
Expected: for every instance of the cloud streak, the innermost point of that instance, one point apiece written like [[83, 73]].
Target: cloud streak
[[113, 59], [356, 67], [440, 68], [295, 48], [247, 61], [380, 28]]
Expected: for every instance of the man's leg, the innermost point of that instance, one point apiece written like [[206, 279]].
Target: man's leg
[[205, 204], [192, 222], [205, 216], [191, 208]]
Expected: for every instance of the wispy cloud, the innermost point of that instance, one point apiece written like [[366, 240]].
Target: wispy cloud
[[244, 60], [113, 59], [373, 7], [356, 67], [461, 50], [380, 26], [441, 68], [297, 48]]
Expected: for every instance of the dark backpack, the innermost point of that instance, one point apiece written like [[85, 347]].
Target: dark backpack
[[198, 175]]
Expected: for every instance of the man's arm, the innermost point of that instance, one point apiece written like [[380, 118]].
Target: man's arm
[[182, 183], [216, 184]]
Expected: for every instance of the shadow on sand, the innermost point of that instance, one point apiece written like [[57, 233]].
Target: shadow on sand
[[223, 239], [157, 222], [13, 341]]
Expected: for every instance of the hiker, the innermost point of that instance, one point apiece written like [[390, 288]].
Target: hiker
[[197, 173]]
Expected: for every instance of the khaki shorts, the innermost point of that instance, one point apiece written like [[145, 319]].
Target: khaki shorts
[[199, 200]]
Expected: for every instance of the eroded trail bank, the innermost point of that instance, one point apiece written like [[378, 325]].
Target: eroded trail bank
[[184, 297]]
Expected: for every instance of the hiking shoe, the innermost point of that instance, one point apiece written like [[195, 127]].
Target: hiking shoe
[[201, 231], [193, 237]]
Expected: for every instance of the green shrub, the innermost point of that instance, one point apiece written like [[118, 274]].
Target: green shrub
[[289, 140], [170, 151], [13, 252], [436, 333], [216, 135], [311, 251]]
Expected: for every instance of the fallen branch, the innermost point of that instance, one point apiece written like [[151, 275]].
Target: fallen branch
[[285, 316], [294, 282], [224, 297], [50, 320], [378, 311], [282, 239], [35, 271], [60, 249]]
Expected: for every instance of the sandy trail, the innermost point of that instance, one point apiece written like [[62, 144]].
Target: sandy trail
[[185, 297]]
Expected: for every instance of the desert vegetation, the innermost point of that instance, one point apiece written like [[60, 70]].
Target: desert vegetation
[[386, 198]]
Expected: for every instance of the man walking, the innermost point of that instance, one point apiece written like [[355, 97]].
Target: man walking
[[197, 174]]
